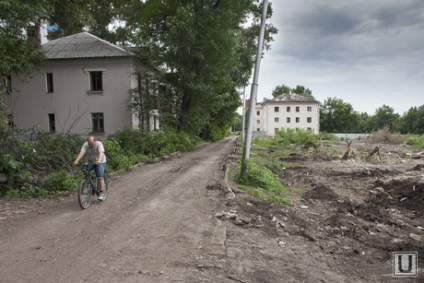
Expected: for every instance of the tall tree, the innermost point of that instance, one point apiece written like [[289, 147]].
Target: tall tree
[[384, 116], [413, 121], [205, 52], [337, 116], [18, 54]]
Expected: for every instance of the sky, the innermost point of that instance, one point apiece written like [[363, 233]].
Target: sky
[[368, 53]]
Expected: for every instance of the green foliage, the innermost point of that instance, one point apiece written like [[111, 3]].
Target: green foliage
[[267, 184], [291, 136], [19, 55], [336, 116], [301, 90], [217, 133], [207, 51], [416, 142], [60, 182], [116, 156]]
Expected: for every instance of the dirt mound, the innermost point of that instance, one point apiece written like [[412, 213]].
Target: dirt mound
[[321, 192]]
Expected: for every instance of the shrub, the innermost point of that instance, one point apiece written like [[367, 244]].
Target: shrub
[[60, 182], [291, 136], [116, 156], [384, 135]]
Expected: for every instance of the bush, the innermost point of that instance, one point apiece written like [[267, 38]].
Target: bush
[[116, 156], [60, 182], [384, 135], [291, 136]]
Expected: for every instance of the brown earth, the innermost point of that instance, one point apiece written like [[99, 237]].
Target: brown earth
[[169, 222]]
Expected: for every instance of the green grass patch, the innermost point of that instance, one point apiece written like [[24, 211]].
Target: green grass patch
[[417, 142], [263, 183]]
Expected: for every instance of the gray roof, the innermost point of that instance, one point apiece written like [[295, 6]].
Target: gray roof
[[290, 97], [82, 45]]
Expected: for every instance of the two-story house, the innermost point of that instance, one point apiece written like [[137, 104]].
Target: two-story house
[[85, 87], [287, 111]]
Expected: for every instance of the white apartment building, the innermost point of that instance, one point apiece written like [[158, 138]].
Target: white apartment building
[[286, 111]]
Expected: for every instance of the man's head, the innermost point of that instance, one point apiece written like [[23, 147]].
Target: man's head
[[91, 141]]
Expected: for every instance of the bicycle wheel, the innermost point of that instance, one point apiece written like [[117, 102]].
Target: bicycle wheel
[[105, 187], [84, 194]]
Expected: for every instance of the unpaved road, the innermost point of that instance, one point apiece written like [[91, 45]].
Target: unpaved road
[[164, 222], [154, 226]]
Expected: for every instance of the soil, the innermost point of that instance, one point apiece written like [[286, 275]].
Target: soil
[[172, 221]]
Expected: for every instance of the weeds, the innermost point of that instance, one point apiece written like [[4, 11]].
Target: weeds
[[384, 135]]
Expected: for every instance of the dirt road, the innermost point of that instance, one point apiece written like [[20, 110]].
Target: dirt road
[[155, 225], [164, 222]]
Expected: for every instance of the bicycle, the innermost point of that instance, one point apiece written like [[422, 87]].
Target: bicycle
[[88, 187]]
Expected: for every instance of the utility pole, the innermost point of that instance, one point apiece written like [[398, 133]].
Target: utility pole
[[243, 130], [254, 91]]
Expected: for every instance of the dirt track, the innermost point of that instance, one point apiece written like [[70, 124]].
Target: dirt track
[[163, 222]]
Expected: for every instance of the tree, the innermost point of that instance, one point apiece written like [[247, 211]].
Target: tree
[[413, 121], [301, 90], [306, 92], [336, 116], [384, 116], [280, 89], [205, 53], [19, 54]]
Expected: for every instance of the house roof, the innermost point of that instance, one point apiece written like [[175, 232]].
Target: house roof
[[82, 45], [290, 97]]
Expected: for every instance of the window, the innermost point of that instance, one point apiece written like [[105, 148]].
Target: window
[[276, 109], [258, 113], [288, 119], [309, 108], [288, 108], [49, 83], [276, 119], [258, 121], [258, 129], [8, 85], [52, 124], [297, 109], [96, 81], [276, 129], [309, 119], [97, 124], [297, 119], [309, 129]]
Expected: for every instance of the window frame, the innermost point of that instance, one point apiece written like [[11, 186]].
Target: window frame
[[49, 83], [52, 122], [97, 122]]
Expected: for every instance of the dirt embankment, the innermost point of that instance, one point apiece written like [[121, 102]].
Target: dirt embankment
[[167, 222]]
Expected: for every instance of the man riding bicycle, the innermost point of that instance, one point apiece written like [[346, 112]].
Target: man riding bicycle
[[96, 160]]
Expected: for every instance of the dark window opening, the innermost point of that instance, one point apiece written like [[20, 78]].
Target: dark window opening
[[97, 121], [96, 81], [52, 124], [49, 82]]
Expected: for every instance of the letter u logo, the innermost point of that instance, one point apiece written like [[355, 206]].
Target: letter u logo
[[401, 264]]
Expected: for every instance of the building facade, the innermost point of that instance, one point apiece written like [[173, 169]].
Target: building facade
[[85, 87], [287, 111]]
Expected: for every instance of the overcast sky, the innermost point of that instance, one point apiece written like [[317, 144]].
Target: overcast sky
[[369, 53]]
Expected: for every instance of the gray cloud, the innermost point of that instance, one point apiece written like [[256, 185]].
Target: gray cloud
[[356, 50]]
